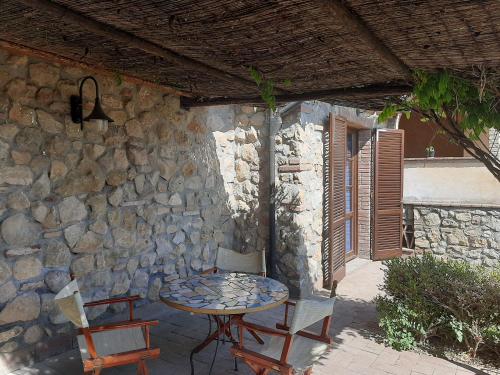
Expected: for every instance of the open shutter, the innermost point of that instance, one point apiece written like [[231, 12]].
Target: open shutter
[[388, 194], [338, 134]]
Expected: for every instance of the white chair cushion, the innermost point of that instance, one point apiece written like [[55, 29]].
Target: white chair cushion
[[113, 342], [303, 354]]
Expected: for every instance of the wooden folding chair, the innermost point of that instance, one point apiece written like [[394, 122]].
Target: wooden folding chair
[[228, 260], [109, 345], [294, 350]]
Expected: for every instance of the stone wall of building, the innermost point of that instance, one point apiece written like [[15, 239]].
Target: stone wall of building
[[242, 142], [364, 192], [467, 233], [124, 210], [299, 205], [301, 234], [494, 142]]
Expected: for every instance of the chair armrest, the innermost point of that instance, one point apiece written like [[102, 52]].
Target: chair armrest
[[287, 342], [210, 271], [111, 301], [262, 329], [254, 357], [121, 325]]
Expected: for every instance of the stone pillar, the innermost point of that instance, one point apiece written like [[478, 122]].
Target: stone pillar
[[299, 193], [494, 142], [364, 192]]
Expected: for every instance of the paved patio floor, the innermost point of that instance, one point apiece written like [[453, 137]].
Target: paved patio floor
[[357, 350]]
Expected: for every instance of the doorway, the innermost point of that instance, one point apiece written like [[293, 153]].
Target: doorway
[[351, 191]]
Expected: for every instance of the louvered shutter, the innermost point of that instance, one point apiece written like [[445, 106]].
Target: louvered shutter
[[326, 263], [338, 134], [388, 194]]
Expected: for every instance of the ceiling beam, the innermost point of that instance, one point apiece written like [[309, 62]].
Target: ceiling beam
[[129, 40], [365, 92], [355, 25]]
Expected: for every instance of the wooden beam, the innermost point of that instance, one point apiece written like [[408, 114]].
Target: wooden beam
[[17, 49], [340, 93], [130, 40], [355, 25]]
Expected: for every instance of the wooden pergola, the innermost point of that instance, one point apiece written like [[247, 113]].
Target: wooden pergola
[[353, 52]]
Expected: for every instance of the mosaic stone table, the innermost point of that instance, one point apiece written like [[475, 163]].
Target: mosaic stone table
[[223, 294]]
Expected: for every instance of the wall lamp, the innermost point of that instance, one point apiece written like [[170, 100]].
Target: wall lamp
[[97, 115]]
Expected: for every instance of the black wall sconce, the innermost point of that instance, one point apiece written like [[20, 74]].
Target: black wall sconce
[[97, 113]]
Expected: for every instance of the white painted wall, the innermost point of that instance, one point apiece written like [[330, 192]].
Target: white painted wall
[[453, 181]]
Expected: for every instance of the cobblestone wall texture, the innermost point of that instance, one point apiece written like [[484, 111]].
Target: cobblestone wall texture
[[470, 234], [125, 210]]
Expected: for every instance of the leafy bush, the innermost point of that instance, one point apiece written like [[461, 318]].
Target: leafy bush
[[428, 297]]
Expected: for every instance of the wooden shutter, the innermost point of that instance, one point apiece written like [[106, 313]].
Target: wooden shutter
[[338, 134], [388, 194]]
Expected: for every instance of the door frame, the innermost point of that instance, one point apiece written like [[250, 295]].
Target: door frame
[[354, 194]]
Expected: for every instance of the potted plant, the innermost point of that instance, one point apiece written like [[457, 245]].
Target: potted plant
[[429, 150]]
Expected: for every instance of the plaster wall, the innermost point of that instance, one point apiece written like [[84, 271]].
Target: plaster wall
[[449, 181]]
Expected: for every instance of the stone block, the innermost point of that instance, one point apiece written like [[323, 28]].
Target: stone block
[[71, 209], [27, 268], [23, 308], [57, 254], [17, 230], [18, 175]]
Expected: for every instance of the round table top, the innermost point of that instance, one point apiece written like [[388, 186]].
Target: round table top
[[224, 294]]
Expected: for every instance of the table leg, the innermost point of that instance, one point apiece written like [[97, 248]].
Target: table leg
[[223, 329], [221, 333]]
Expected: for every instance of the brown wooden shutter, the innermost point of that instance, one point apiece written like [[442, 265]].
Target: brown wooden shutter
[[338, 134], [388, 194], [326, 264]]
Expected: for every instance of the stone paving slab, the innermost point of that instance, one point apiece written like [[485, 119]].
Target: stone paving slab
[[358, 348]]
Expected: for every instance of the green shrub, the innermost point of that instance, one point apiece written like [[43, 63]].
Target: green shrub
[[429, 297]]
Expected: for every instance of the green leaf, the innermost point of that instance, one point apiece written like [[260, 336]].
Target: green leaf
[[118, 79], [256, 76]]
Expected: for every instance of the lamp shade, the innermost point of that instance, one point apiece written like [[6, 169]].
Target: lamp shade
[[97, 113]]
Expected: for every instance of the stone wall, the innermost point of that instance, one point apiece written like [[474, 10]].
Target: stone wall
[[494, 142], [242, 150], [299, 206], [301, 232], [470, 234], [364, 192], [124, 210]]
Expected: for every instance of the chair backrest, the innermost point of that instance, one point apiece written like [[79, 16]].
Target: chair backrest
[[232, 261], [70, 302], [309, 311]]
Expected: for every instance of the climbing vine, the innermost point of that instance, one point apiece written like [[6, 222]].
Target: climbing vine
[[266, 88], [464, 108]]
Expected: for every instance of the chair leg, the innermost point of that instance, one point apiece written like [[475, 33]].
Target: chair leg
[[142, 369]]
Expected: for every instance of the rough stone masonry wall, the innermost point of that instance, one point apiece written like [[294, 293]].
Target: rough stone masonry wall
[[301, 231], [494, 142], [470, 234], [364, 192], [126, 210], [299, 205]]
